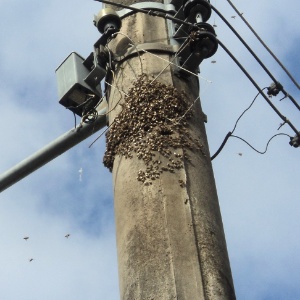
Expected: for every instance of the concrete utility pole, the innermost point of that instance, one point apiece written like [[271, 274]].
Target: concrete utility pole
[[170, 236]]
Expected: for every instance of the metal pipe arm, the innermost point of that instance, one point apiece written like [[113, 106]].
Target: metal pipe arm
[[51, 151]]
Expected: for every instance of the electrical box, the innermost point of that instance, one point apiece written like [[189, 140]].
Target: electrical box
[[72, 88]]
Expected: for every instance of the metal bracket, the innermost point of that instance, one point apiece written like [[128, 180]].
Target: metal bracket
[[167, 8], [97, 72]]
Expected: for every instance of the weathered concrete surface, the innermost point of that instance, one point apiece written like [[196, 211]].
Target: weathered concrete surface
[[170, 236]]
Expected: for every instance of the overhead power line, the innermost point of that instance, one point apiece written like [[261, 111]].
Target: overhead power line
[[266, 47], [285, 119], [230, 133], [153, 12], [277, 84], [167, 16]]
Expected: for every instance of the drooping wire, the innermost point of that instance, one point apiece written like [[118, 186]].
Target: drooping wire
[[263, 43], [229, 134], [261, 152], [232, 131], [256, 57], [222, 146], [258, 88], [120, 91]]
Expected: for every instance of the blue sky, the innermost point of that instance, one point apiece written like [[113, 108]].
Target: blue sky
[[258, 194]]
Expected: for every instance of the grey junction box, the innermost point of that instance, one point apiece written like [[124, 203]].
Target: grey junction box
[[72, 88]]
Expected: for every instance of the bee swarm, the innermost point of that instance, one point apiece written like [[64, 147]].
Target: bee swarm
[[152, 124]]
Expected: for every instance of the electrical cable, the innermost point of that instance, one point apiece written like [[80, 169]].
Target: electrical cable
[[169, 17], [100, 135], [232, 131], [166, 16], [266, 47], [261, 152], [259, 90], [229, 134], [256, 57], [222, 146]]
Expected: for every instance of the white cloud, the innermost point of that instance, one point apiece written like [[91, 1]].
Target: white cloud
[[259, 195]]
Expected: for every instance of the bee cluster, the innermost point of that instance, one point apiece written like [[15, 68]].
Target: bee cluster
[[151, 125]]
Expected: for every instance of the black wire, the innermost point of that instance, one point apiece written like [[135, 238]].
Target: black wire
[[75, 120], [266, 47], [231, 132], [255, 56], [222, 146], [246, 110], [258, 88], [166, 16], [169, 17], [261, 152]]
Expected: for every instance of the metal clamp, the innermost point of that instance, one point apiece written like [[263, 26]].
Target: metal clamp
[[295, 141]]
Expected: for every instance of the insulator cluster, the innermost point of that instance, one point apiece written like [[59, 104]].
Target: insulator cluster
[[152, 126]]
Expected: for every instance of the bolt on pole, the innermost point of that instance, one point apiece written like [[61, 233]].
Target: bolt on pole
[[170, 237]]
